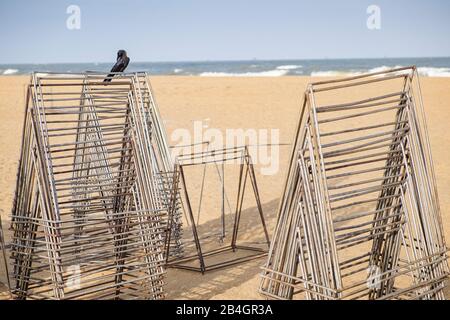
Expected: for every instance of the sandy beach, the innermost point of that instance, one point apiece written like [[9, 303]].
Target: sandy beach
[[224, 103]]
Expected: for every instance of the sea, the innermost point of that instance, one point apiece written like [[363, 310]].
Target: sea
[[428, 67]]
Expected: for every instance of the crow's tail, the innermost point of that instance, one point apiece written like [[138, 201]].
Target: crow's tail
[[108, 77]]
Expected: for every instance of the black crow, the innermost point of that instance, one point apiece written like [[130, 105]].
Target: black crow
[[120, 66]]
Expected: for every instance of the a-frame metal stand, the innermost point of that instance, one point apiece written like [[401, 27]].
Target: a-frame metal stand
[[246, 173]]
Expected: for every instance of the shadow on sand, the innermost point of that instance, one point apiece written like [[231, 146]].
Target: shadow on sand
[[182, 284]]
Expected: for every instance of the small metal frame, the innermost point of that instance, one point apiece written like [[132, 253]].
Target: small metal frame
[[246, 172]]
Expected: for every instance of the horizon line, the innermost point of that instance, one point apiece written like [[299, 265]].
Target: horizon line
[[230, 60]]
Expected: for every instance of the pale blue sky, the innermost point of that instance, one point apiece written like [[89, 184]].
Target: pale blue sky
[[186, 30]]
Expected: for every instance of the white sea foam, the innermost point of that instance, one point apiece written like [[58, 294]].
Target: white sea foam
[[383, 69], [270, 73], [289, 67], [10, 71], [351, 73], [177, 70], [334, 73], [423, 71], [380, 69], [434, 72]]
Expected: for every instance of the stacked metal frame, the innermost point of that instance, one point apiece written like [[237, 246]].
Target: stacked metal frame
[[4, 258], [90, 210], [359, 216]]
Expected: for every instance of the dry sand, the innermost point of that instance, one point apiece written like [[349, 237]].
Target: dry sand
[[247, 103]]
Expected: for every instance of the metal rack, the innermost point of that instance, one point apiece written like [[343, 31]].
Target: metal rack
[[90, 209], [359, 216], [240, 157]]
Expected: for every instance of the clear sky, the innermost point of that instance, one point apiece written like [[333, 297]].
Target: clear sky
[[187, 30]]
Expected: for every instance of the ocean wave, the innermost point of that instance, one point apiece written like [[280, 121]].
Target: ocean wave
[[177, 70], [289, 67], [10, 71], [383, 69], [350, 73], [423, 71], [270, 73], [434, 72], [334, 73]]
